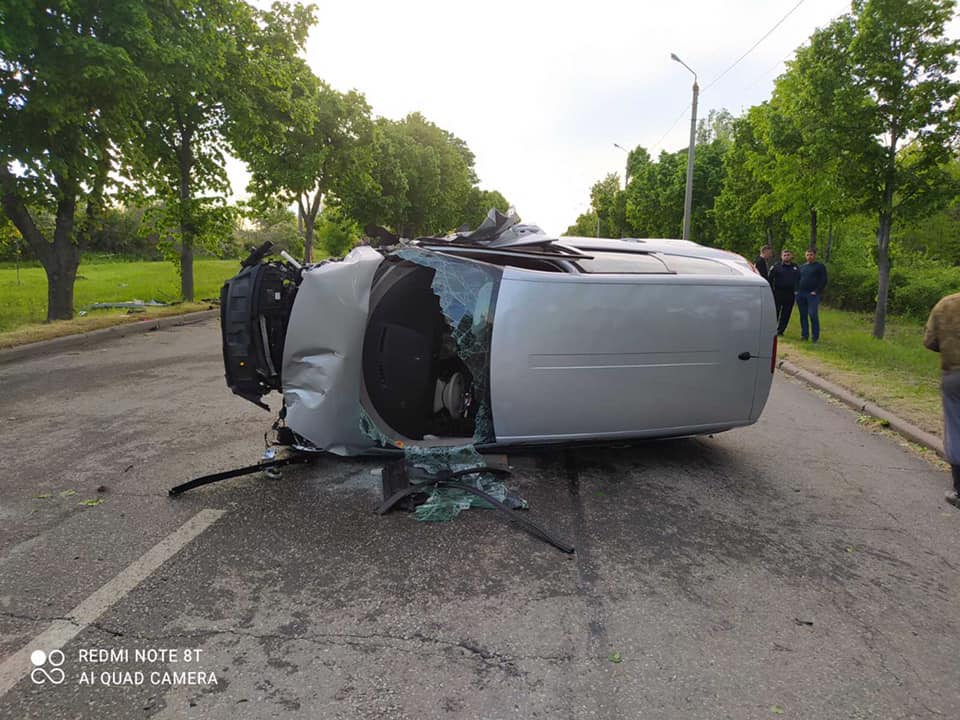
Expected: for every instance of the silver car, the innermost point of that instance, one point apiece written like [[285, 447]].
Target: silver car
[[501, 337]]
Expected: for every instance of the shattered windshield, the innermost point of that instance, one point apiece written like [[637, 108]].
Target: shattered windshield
[[427, 347]]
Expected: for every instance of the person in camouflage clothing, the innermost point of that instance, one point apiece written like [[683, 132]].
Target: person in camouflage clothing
[[942, 335]]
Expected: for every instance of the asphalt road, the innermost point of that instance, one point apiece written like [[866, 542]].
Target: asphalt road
[[804, 567]]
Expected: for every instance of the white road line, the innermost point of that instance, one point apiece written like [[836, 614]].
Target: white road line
[[60, 632]]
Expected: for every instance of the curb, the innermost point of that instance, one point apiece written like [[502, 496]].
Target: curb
[[95, 337], [909, 431]]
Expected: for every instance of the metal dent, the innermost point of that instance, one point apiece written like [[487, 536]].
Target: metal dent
[[321, 357]]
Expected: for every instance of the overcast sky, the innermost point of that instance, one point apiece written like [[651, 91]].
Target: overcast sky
[[541, 91]]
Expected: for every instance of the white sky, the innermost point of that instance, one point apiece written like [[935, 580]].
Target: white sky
[[540, 91]]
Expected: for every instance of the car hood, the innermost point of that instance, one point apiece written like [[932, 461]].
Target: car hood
[[322, 354]]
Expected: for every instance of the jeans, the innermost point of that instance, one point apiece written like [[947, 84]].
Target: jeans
[[809, 304], [783, 302]]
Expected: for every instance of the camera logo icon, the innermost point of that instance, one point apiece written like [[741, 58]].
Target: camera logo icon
[[40, 674]]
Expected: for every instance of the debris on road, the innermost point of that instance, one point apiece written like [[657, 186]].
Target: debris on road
[[126, 304], [438, 492]]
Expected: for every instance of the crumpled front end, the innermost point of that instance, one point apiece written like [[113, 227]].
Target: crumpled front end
[[323, 350]]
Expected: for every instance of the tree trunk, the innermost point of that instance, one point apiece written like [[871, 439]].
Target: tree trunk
[[186, 270], [830, 238], [883, 242], [813, 229], [61, 258], [308, 210], [883, 265], [308, 240], [62, 263], [187, 221]]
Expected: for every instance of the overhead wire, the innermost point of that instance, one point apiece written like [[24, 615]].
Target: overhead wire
[[766, 73], [754, 46], [683, 114], [731, 67]]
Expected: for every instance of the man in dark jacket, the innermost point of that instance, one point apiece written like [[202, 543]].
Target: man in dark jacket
[[784, 278], [762, 263], [813, 279]]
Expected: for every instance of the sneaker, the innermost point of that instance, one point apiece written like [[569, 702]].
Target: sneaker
[[953, 498], [805, 339]]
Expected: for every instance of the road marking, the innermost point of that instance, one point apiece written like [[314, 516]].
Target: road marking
[[60, 632]]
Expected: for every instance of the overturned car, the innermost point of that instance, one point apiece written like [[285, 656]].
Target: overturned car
[[502, 336]]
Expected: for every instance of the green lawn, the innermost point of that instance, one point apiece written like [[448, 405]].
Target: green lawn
[[897, 373], [25, 302]]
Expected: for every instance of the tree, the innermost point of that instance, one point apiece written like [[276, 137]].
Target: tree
[[654, 204], [206, 63], [804, 162], [11, 243], [336, 233], [881, 91], [584, 226], [118, 231], [936, 235], [315, 144], [745, 213], [421, 181], [605, 200], [382, 198], [709, 172], [276, 223], [69, 85], [438, 167], [717, 125]]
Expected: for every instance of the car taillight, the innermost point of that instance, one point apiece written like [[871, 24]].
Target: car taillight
[[773, 355]]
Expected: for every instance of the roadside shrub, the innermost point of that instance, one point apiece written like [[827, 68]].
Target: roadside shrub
[[914, 289], [851, 288], [923, 288]]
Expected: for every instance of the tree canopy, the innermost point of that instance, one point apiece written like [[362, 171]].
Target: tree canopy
[[71, 75], [861, 128]]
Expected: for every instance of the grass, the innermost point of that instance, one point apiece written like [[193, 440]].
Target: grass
[[896, 373], [23, 304]]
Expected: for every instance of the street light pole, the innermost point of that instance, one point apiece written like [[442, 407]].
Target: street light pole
[[691, 152]]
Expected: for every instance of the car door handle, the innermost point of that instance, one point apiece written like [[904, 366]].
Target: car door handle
[[745, 355]]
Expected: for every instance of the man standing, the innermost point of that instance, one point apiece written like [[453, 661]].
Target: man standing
[[784, 278], [813, 279], [762, 263], [942, 335]]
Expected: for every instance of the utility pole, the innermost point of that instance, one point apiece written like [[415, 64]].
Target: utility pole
[[691, 152]]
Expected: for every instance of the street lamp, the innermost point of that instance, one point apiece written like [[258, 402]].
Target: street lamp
[[626, 171], [691, 151]]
